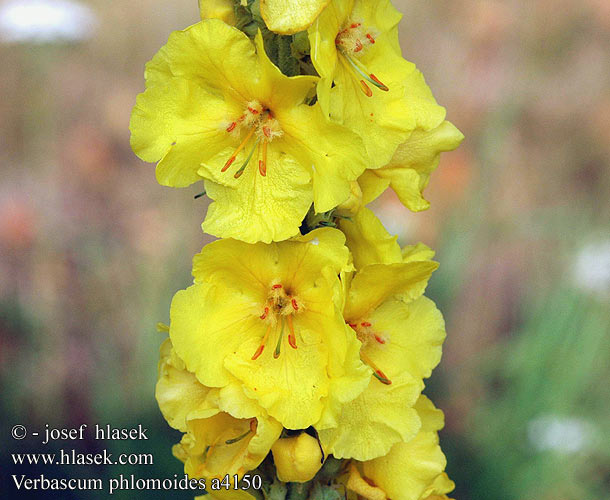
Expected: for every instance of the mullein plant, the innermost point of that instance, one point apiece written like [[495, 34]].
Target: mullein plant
[[300, 351]]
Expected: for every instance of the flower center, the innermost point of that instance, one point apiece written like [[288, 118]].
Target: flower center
[[261, 128], [278, 310], [351, 42], [366, 335]]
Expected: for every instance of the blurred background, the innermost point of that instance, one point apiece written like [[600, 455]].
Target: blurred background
[[92, 248]]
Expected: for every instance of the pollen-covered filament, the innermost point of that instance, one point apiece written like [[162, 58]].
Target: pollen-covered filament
[[351, 42], [278, 312], [367, 335], [261, 129]]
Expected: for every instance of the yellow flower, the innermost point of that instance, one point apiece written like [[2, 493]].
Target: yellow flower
[[217, 9], [297, 459], [410, 471], [216, 108], [225, 433], [408, 172], [365, 83], [290, 16], [269, 317], [400, 333]]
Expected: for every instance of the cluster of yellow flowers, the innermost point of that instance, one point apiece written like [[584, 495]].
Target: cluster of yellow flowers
[[302, 345]]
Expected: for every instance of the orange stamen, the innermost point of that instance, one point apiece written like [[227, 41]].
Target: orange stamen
[[262, 164], [275, 287], [353, 325], [292, 340], [231, 127], [370, 37], [355, 25], [239, 148], [358, 46], [295, 306], [258, 352], [379, 339], [365, 323], [264, 315], [261, 347], [253, 111], [382, 86], [366, 89], [378, 374]]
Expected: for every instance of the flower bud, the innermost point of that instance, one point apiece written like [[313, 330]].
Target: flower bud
[[297, 459]]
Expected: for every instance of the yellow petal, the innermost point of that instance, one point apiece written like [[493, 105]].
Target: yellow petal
[[335, 155], [375, 283], [413, 334], [290, 387], [438, 489], [183, 135], [417, 252], [203, 321], [410, 468], [258, 208], [409, 170], [369, 241], [193, 54], [377, 419], [178, 391], [290, 16], [277, 90], [217, 9]]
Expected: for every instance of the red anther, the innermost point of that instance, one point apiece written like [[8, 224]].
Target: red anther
[[253, 111], [267, 132], [275, 287], [262, 164], [358, 46], [264, 315], [292, 341], [365, 323], [382, 86], [228, 164], [353, 325], [258, 352], [355, 25], [366, 89], [295, 306], [370, 37], [379, 339], [237, 174], [231, 127]]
